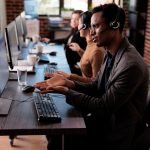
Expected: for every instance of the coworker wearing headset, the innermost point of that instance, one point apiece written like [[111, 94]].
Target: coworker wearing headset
[[116, 100], [91, 58], [72, 56]]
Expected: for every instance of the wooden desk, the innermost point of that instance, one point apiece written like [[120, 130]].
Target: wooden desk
[[22, 119]]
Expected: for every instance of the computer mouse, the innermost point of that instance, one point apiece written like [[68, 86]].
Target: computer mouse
[[53, 63], [53, 53], [28, 88]]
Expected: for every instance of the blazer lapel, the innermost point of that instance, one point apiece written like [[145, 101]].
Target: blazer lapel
[[117, 60], [102, 71]]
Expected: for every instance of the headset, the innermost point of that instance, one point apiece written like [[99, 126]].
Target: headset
[[115, 24], [84, 26], [86, 20]]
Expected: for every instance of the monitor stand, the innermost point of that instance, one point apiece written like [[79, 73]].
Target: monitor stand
[[13, 76]]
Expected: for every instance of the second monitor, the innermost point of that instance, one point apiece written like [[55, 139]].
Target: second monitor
[[20, 31], [11, 44]]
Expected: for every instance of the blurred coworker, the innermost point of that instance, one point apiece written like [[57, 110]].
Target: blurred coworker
[[91, 58], [72, 56]]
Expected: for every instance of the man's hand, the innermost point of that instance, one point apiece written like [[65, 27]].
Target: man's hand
[[57, 83], [66, 75]]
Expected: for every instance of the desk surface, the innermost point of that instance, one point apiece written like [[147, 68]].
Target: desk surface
[[22, 117]]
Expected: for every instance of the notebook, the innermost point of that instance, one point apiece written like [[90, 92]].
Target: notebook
[[4, 106]]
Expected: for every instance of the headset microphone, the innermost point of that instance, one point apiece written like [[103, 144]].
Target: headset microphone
[[83, 27]]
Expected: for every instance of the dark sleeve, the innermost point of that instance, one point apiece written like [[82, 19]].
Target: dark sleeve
[[115, 96], [64, 40], [87, 88], [80, 40], [60, 41]]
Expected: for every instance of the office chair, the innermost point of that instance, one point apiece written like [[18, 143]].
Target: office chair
[[142, 137]]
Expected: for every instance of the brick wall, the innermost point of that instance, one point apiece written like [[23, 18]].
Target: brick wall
[[43, 26], [126, 27], [147, 37], [13, 9]]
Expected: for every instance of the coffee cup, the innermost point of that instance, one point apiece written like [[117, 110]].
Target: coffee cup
[[32, 59], [39, 48]]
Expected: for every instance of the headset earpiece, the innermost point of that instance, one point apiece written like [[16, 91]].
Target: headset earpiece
[[114, 25], [84, 26]]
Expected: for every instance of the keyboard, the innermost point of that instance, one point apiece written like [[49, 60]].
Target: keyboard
[[46, 108]]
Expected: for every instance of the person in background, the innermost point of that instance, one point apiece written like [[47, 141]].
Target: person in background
[[72, 56], [116, 100], [91, 58]]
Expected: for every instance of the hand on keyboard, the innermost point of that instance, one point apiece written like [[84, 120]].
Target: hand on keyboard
[[57, 84], [57, 80], [50, 75], [64, 74]]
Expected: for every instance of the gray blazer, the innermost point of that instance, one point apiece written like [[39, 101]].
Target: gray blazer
[[117, 112]]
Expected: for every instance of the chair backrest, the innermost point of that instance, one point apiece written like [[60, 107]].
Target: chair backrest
[[142, 138]]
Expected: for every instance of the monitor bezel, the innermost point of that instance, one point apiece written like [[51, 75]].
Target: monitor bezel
[[5, 76], [20, 43], [24, 25], [8, 46]]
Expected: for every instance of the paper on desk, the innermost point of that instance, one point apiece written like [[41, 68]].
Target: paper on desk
[[28, 68], [23, 63]]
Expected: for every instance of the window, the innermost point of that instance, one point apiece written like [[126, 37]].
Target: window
[[48, 7], [42, 7], [30, 7], [53, 7], [98, 2], [76, 4]]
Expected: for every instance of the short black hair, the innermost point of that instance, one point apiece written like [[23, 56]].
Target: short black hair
[[86, 18], [111, 12]]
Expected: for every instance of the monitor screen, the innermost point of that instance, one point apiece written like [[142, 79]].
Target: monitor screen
[[24, 25], [11, 44], [19, 31], [4, 71]]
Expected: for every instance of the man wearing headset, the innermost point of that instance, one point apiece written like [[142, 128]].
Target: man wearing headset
[[116, 100]]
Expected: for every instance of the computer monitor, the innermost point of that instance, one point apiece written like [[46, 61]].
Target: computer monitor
[[11, 44], [4, 71], [4, 76], [24, 25], [19, 31]]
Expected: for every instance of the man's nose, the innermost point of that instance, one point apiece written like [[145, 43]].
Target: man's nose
[[92, 32]]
